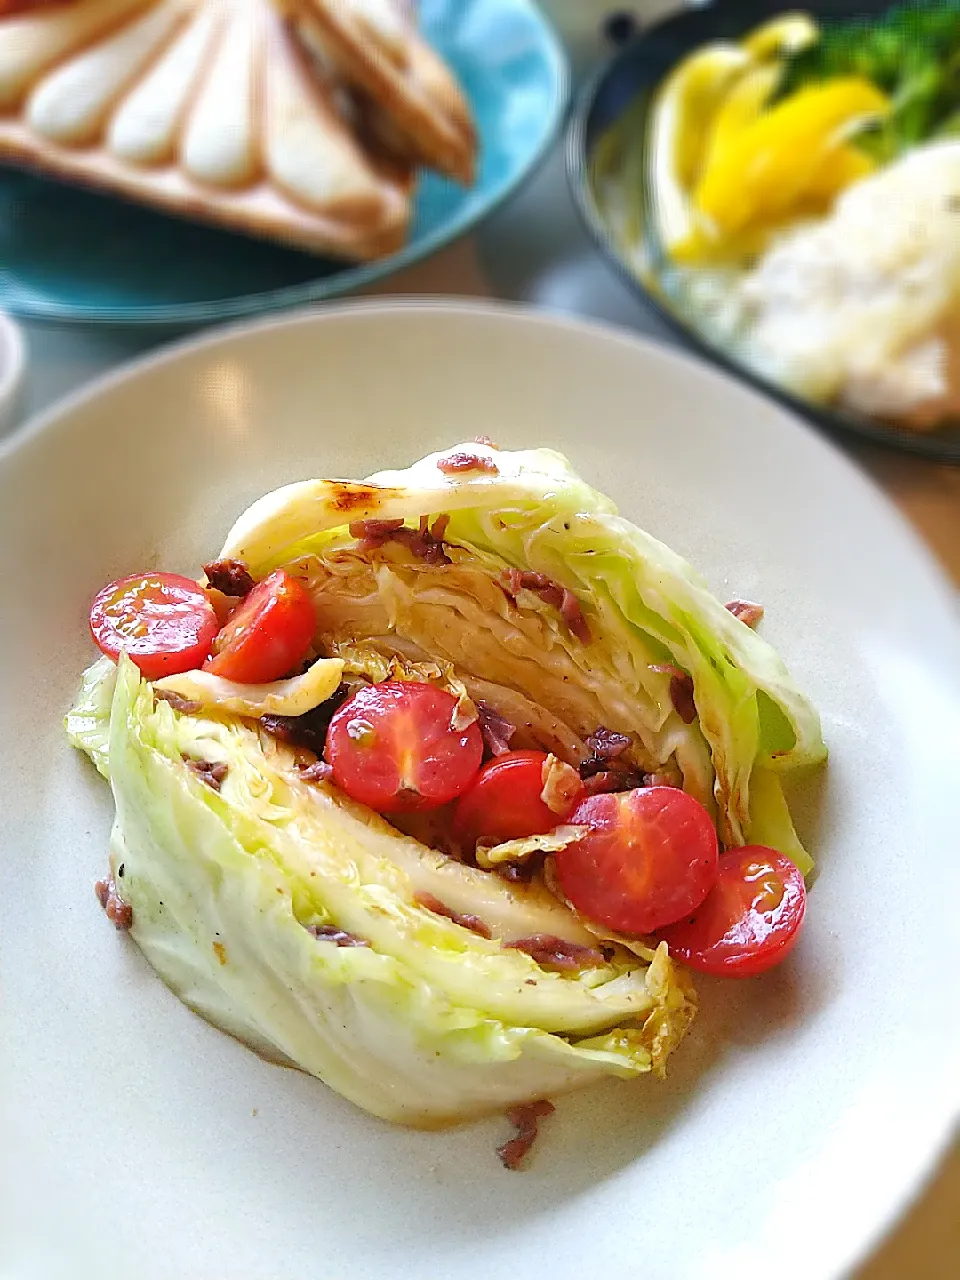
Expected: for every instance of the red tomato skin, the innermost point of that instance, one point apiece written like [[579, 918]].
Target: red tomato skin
[[267, 635], [504, 801], [163, 622], [649, 859], [735, 933], [413, 760]]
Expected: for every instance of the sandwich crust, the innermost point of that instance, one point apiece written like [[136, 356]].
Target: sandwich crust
[[216, 111]]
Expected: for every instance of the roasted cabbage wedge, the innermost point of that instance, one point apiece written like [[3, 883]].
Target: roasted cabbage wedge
[[239, 891]]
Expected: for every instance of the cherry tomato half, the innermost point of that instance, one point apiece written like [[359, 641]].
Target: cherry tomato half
[[163, 621], [649, 858], [391, 746], [749, 921], [504, 801], [267, 634]]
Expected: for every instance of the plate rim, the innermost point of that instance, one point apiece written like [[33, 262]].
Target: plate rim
[[352, 277], [919, 444], [42, 427]]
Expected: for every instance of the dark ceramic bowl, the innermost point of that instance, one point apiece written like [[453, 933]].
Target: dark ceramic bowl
[[625, 85]]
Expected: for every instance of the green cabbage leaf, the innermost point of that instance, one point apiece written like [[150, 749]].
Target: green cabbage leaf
[[427, 1022]]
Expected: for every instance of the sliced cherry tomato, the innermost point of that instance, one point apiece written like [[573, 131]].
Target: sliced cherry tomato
[[163, 621], [504, 802], [649, 858], [391, 746], [749, 921], [267, 634]]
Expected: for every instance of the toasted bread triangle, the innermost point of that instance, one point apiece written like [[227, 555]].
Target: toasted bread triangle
[[390, 62], [213, 110]]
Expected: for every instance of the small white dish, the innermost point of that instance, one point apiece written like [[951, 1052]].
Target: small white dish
[[13, 361], [805, 1108]]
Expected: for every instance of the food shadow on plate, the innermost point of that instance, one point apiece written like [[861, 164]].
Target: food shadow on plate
[[596, 1134], [809, 793]]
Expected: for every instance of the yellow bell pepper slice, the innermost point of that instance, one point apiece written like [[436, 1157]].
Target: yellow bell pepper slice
[[679, 120], [769, 166], [741, 108], [700, 249], [839, 169], [781, 37]]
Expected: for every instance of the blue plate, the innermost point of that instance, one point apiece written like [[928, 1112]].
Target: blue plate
[[71, 255]]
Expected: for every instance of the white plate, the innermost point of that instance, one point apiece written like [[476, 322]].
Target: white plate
[[805, 1107]]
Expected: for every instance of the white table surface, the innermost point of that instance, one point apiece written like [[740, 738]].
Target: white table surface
[[534, 251]]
